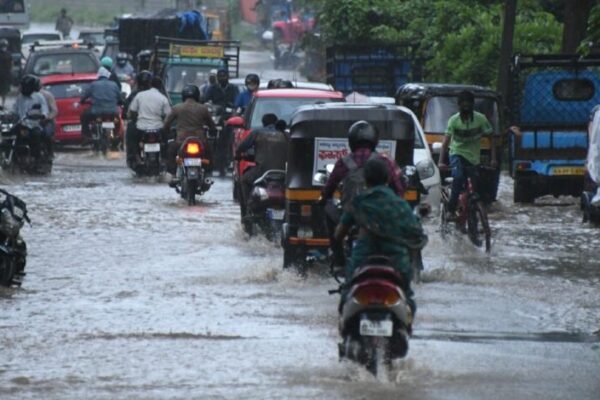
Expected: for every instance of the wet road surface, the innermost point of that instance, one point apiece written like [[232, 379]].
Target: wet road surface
[[132, 294]]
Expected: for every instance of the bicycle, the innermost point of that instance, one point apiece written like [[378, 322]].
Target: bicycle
[[471, 219]]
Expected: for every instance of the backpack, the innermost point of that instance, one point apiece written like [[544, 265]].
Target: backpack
[[354, 182]]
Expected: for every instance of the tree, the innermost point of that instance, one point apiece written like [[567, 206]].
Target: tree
[[576, 14]]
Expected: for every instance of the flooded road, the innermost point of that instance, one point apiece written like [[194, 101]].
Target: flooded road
[[132, 294]]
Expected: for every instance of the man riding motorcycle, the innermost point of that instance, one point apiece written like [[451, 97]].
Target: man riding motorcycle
[[270, 152], [50, 122], [223, 94], [252, 83], [107, 63], [463, 137], [132, 137], [192, 117], [124, 67], [106, 98], [387, 226], [149, 108], [362, 139], [30, 102]]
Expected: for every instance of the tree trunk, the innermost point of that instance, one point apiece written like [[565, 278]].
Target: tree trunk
[[506, 49], [577, 13]]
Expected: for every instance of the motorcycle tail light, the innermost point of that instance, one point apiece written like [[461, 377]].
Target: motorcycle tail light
[[193, 149], [377, 294], [306, 211]]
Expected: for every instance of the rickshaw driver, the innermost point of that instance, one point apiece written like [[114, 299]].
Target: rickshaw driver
[[270, 152], [387, 225], [363, 139], [463, 137]]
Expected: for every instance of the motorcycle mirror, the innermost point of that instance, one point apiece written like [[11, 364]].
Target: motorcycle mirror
[[320, 178], [436, 148], [236, 122]]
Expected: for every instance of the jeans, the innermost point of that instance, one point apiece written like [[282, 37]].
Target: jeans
[[461, 171]]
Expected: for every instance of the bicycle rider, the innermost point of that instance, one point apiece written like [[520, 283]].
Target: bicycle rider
[[463, 137]]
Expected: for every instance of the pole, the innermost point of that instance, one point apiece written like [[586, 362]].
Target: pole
[[510, 13]]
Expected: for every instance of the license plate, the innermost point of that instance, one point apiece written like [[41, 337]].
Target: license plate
[[276, 215], [568, 171], [108, 125], [376, 328], [192, 173], [72, 128], [192, 162], [152, 147]]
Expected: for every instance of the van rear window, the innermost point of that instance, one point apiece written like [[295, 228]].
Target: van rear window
[[574, 89]]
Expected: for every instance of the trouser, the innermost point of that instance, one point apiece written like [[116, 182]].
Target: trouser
[[332, 218], [132, 140], [461, 171], [173, 150], [48, 136], [247, 184], [365, 247]]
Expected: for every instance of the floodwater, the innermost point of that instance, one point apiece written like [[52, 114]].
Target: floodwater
[[132, 294]]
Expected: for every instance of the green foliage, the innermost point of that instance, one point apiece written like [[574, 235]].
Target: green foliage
[[460, 39], [593, 31]]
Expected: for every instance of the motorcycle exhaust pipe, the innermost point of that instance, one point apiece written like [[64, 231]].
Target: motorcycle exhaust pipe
[[208, 182]]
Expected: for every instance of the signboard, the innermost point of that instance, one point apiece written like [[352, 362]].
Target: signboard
[[178, 50], [329, 150]]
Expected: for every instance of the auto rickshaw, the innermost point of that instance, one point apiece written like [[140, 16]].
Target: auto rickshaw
[[318, 138], [435, 103]]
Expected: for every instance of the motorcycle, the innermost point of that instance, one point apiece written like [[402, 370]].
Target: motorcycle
[[266, 208], [150, 152], [105, 134], [191, 170], [375, 319], [221, 142], [17, 154], [13, 250]]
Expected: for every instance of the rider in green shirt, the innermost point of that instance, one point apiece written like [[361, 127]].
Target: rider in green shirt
[[463, 137]]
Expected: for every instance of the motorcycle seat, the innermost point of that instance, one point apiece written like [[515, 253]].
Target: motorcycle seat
[[269, 176]]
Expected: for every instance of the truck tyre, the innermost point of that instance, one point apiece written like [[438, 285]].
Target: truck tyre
[[522, 191]]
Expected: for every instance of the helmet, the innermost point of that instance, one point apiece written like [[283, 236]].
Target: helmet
[[28, 85], [252, 79], [190, 92], [107, 62], [362, 134], [38, 84], [144, 80], [3, 44], [122, 59]]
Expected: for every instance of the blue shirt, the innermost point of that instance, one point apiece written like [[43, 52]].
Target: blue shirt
[[105, 95], [243, 99]]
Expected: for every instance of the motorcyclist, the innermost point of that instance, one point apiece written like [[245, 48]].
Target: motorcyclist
[[252, 83], [132, 137], [362, 139], [270, 152], [124, 67], [192, 119], [31, 108], [49, 125], [223, 94], [387, 226], [107, 63], [106, 98], [463, 137], [150, 107]]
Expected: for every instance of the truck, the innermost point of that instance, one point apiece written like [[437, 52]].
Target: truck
[[180, 62], [551, 98], [371, 70]]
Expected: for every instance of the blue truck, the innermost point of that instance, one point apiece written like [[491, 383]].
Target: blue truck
[[371, 70], [551, 99]]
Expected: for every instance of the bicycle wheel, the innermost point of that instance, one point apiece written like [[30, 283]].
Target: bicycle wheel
[[478, 227], [444, 223], [485, 226]]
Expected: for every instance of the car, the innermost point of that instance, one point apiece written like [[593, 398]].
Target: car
[[67, 90], [29, 38], [95, 37], [62, 60], [281, 102]]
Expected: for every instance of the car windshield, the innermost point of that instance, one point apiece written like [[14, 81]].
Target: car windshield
[[67, 90], [28, 39], [66, 63], [93, 37], [283, 108], [440, 109], [179, 76]]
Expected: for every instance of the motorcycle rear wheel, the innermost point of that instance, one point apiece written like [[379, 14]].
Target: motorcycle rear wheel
[[7, 271]]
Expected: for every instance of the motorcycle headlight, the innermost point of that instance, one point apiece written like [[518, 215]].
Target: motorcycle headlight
[[426, 169]]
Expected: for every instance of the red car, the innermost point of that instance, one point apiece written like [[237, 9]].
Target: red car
[[67, 90], [281, 102]]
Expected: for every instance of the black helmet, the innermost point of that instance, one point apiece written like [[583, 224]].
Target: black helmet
[[190, 92], [144, 80], [252, 78], [122, 59], [28, 85], [362, 134]]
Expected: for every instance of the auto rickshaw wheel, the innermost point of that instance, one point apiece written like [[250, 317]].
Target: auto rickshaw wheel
[[522, 192]]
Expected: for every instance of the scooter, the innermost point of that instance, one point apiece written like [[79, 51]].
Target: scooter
[[266, 208], [375, 319], [191, 170]]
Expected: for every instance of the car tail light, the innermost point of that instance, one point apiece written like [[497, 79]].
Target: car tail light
[[385, 294], [523, 166], [193, 149]]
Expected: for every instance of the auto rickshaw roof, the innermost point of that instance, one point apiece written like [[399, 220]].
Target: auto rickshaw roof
[[6, 32], [350, 112], [299, 94], [423, 90]]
